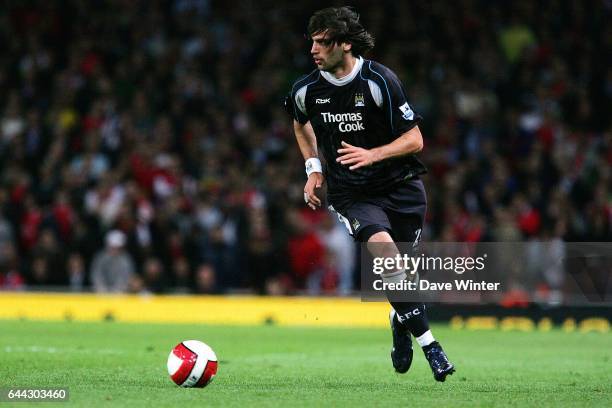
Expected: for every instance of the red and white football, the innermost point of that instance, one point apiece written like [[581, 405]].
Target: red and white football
[[192, 364]]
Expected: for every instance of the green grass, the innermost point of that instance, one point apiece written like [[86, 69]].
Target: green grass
[[117, 364]]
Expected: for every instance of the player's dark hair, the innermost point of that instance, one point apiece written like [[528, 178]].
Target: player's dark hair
[[342, 25]]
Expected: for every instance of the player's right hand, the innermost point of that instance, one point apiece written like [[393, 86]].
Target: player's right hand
[[315, 181]]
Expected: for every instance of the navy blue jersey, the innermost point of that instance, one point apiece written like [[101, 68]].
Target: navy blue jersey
[[367, 108]]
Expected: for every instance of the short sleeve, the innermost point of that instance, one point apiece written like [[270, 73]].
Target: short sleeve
[[400, 113]]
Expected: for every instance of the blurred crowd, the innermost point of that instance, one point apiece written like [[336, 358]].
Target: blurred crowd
[[144, 148]]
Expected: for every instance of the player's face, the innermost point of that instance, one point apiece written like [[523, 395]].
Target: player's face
[[327, 54]]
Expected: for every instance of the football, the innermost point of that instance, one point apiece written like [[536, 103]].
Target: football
[[192, 363]]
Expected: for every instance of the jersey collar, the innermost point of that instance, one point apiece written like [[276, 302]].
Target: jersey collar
[[345, 79]]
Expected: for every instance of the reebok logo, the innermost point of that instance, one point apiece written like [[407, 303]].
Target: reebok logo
[[320, 101], [347, 122]]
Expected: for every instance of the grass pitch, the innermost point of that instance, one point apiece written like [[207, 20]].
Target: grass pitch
[[118, 364]]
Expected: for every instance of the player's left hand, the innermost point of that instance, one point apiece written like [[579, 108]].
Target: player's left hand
[[355, 156]]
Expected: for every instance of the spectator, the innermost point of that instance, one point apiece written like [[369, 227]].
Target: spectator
[[40, 273], [181, 272], [76, 272], [11, 277], [206, 280], [112, 268], [307, 253], [154, 276], [341, 253]]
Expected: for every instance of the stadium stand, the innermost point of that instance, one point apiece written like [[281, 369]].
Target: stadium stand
[[163, 120]]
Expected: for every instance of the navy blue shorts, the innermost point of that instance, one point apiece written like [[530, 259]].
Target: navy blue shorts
[[401, 212]]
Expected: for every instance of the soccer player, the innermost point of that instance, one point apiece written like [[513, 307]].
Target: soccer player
[[353, 113]]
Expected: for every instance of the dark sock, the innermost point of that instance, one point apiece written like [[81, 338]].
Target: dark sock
[[413, 316]]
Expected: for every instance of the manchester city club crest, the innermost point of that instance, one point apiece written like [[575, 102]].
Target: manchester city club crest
[[359, 100]]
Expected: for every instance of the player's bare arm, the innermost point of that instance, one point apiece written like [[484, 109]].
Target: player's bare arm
[[408, 143], [307, 143]]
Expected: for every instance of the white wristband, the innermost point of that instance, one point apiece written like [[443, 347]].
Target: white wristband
[[313, 165]]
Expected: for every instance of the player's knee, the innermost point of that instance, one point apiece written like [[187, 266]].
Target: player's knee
[[380, 244], [380, 236]]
